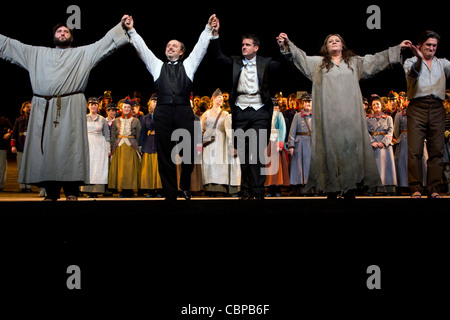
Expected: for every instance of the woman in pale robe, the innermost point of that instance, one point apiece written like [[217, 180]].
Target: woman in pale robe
[[215, 164], [341, 154]]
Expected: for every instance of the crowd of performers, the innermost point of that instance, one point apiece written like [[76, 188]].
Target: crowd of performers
[[123, 154], [333, 147]]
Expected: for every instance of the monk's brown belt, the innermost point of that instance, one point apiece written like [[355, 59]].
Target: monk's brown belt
[[128, 137], [58, 105], [375, 133], [303, 134]]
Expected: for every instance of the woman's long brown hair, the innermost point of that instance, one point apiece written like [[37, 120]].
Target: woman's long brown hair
[[347, 54]]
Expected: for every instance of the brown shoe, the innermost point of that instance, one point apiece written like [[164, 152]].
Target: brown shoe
[[71, 198]]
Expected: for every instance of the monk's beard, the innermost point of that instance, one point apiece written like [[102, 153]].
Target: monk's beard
[[63, 43]]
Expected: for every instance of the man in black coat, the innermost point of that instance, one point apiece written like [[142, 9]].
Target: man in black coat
[[251, 107]]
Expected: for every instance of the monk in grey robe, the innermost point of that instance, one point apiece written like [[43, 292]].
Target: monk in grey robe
[[56, 149], [341, 154]]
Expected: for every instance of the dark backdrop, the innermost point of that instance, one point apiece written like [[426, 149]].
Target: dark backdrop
[[307, 25]]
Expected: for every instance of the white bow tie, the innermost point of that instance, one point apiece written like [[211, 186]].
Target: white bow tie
[[249, 63]]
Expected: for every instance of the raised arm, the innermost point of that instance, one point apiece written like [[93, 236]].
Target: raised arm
[[214, 47], [192, 62], [370, 65], [304, 63], [15, 52], [116, 38]]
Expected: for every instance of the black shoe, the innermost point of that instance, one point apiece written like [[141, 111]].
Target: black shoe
[[332, 195], [246, 196], [185, 194], [259, 196], [349, 195]]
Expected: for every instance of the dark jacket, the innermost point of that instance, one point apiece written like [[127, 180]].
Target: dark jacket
[[263, 65]]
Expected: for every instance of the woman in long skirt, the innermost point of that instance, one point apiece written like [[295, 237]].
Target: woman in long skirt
[[214, 164], [277, 173], [150, 179], [99, 149], [125, 160], [381, 130]]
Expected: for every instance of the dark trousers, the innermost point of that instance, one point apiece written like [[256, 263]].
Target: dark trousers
[[425, 121], [251, 153], [53, 188], [167, 119]]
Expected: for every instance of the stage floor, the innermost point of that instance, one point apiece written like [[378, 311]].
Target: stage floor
[[298, 255]]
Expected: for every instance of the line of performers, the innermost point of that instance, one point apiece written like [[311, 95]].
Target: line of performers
[[56, 153], [123, 153]]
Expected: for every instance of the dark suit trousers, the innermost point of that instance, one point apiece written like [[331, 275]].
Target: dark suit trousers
[[425, 121], [250, 154], [167, 119]]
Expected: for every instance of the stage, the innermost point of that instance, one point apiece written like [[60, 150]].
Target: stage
[[295, 255]]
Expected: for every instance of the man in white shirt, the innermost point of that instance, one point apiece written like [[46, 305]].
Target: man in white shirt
[[426, 77], [251, 107], [173, 82]]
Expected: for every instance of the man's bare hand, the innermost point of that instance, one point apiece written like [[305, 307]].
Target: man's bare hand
[[127, 22]]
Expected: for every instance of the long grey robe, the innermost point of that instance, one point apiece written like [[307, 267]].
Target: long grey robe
[[383, 156], [341, 153], [64, 155], [301, 159]]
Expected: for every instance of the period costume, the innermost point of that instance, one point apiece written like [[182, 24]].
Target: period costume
[[18, 140], [57, 147], [277, 170], [381, 130], [214, 164], [300, 140], [234, 166], [341, 154], [150, 179], [99, 148], [125, 160], [401, 151], [5, 128], [426, 116], [251, 108], [173, 82]]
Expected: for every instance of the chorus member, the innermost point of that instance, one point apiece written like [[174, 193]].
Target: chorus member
[[300, 147], [125, 159], [173, 80], [150, 179], [381, 128], [111, 112], [18, 138], [426, 78], [277, 171], [99, 150], [56, 152], [341, 153], [214, 164], [5, 136]]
